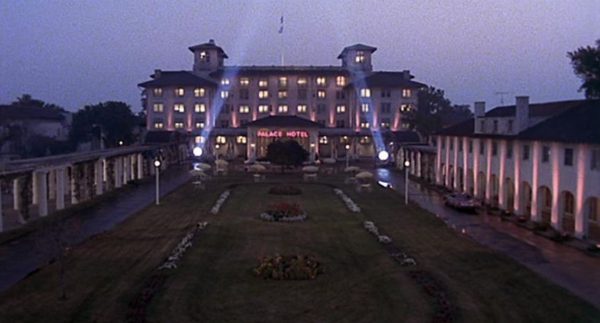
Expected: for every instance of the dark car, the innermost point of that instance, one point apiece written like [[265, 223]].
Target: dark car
[[461, 201]]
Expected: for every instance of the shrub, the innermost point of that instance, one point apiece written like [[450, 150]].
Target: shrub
[[294, 267]]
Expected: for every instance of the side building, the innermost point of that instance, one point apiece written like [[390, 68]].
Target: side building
[[538, 161], [235, 111]]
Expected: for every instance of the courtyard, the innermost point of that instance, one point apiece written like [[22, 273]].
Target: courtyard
[[114, 276]]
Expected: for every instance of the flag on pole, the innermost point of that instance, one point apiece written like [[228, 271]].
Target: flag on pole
[[281, 25]]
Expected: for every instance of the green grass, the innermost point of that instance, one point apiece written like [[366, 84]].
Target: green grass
[[360, 283]]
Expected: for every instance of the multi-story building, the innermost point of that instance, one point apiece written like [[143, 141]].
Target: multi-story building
[[539, 161], [237, 110]]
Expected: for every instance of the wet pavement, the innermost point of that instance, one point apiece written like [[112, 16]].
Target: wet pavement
[[20, 257], [570, 268]]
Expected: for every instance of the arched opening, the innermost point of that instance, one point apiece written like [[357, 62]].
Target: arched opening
[[567, 211], [526, 200], [509, 195], [494, 191], [481, 185], [545, 203], [592, 214]]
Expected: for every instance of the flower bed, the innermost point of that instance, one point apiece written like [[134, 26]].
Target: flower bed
[[370, 226], [293, 267], [444, 310], [402, 258], [285, 190], [182, 246], [284, 212], [222, 198], [348, 201]]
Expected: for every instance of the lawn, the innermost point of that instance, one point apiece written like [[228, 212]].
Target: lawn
[[360, 281]]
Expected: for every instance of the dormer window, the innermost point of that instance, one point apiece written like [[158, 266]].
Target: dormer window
[[283, 81], [406, 93], [360, 57]]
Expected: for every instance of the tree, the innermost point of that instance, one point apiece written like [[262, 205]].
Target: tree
[[28, 100], [115, 120], [286, 153], [586, 65]]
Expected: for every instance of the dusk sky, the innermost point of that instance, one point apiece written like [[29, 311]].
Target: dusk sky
[[74, 53]]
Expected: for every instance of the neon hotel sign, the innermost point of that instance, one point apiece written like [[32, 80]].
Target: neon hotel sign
[[282, 134]]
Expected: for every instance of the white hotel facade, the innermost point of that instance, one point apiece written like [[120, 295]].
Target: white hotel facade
[[540, 161], [235, 111]]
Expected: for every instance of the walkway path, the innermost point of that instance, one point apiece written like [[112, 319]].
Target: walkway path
[[20, 257], [565, 266]]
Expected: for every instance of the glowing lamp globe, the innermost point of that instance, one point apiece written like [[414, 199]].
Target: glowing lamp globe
[[197, 151], [383, 155], [406, 163], [157, 163]]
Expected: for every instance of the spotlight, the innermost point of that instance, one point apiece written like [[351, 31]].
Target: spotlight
[[197, 151], [383, 155]]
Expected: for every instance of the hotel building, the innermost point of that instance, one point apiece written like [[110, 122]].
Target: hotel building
[[236, 111], [540, 161]]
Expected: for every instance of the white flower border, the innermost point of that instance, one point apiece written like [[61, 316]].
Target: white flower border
[[222, 198], [348, 201], [267, 217], [401, 257], [182, 246]]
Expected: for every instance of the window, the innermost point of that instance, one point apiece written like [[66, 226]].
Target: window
[[494, 148], [179, 92], [199, 140], [451, 144], [321, 81], [158, 124], [244, 81], [340, 95], [302, 81], [301, 108], [157, 92], [443, 143], [405, 107], [385, 123], [386, 93], [225, 81], [179, 108], [406, 93], [263, 108], [360, 57], [323, 140], [482, 126], [364, 107], [282, 108], [283, 81], [263, 83], [365, 93], [569, 204], [594, 214], [224, 94], [340, 81], [509, 150], [244, 109], [158, 107], [282, 94], [340, 109], [386, 108], [221, 140], [204, 57], [224, 123], [595, 159], [199, 124], [244, 94], [510, 125], [525, 152], [470, 146], [199, 92], [321, 108], [364, 124], [495, 126], [321, 94], [481, 148], [199, 108], [302, 93], [344, 140], [568, 157], [241, 139], [339, 124], [263, 94], [365, 140], [405, 125], [545, 154], [178, 124], [460, 144]]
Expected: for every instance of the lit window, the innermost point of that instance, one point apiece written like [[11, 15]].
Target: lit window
[[360, 57], [340, 81], [282, 109], [301, 108], [405, 125], [283, 81], [365, 140], [321, 94], [340, 108], [321, 81], [364, 107], [199, 108], [225, 81], [179, 108], [157, 92], [385, 123], [158, 125], [263, 83], [158, 107], [365, 93], [302, 81], [199, 124], [263, 94], [199, 140], [241, 139], [179, 91], [263, 108], [344, 140], [323, 140], [244, 81], [244, 109], [406, 93], [204, 56], [199, 92], [224, 94], [221, 139], [178, 125], [405, 107], [364, 124], [282, 94]]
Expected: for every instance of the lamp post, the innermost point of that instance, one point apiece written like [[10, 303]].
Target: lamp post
[[347, 155], [406, 166], [157, 163]]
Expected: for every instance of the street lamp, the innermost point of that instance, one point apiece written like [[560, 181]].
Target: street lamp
[[197, 151], [157, 163], [347, 156], [406, 166]]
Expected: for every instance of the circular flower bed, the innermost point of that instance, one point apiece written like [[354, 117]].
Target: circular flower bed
[[293, 267], [285, 190], [284, 212]]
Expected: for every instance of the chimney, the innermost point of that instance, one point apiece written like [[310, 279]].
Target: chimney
[[522, 113], [211, 41], [157, 74], [406, 75], [479, 108]]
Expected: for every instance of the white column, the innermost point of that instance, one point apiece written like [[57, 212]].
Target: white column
[[140, 166], [73, 184], [98, 176], [438, 161], [518, 208], [419, 166], [455, 164], [581, 221], [60, 188], [555, 218], [488, 171], [536, 214], [465, 145], [447, 165], [502, 175], [476, 155], [17, 193], [42, 191]]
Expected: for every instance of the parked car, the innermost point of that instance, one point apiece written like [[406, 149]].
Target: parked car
[[461, 201]]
